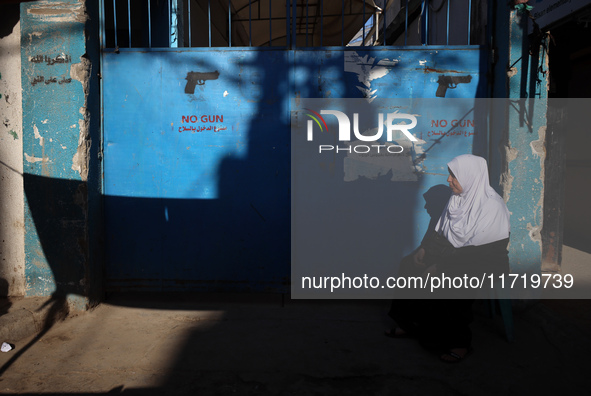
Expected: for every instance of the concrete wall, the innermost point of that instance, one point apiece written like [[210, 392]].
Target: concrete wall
[[12, 252]]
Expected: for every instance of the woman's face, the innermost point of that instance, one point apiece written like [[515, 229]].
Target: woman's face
[[454, 184]]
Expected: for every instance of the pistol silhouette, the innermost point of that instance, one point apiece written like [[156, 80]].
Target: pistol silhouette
[[198, 78], [452, 82]]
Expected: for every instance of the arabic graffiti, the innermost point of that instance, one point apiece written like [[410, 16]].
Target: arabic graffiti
[[62, 58], [194, 129], [51, 80], [450, 133]]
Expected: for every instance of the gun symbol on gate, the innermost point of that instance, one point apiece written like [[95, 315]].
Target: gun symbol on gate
[[198, 78], [450, 82]]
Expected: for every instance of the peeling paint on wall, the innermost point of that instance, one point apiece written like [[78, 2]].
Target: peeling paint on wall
[[506, 181], [81, 157], [81, 72], [522, 171], [537, 146], [33, 159], [55, 12], [38, 136], [539, 151], [375, 165], [534, 233], [34, 34], [367, 70]]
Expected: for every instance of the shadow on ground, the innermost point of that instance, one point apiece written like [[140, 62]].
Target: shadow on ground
[[271, 345]]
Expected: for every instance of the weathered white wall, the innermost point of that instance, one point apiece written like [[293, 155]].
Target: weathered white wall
[[12, 250]]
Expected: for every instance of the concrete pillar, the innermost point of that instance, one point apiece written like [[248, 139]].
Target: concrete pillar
[[518, 128], [57, 147]]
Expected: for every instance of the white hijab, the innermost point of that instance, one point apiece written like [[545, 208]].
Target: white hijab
[[478, 215]]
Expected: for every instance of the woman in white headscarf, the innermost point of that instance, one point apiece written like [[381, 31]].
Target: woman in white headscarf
[[471, 237], [475, 214]]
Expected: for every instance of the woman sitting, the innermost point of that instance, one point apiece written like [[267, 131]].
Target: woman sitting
[[475, 225]]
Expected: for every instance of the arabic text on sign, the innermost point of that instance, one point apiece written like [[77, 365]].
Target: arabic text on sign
[[50, 80], [51, 61], [194, 129]]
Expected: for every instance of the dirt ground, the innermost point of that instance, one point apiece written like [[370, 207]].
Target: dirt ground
[[268, 345]]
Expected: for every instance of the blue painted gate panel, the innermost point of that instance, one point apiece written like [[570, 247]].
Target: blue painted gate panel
[[197, 154], [197, 169]]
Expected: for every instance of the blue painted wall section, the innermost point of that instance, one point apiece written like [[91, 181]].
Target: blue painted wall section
[[55, 145], [197, 153], [519, 134]]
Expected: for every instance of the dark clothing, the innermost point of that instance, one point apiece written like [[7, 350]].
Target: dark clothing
[[492, 258], [444, 324]]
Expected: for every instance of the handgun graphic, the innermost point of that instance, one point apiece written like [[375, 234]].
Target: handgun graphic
[[452, 82], [198, 78]]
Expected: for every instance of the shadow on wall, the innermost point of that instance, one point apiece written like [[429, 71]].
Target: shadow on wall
[[58, 209], [10, 17], [4, 302], [227, 243], [240, 240], [197, 244], [436, 199]]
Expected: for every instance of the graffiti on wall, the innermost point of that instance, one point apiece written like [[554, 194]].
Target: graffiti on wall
[[50, 80], [61, 58], [50, 61], [193, 129], [460, 128], [204, 119]]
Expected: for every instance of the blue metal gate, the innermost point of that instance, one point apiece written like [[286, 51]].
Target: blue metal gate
[[197, 147]]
